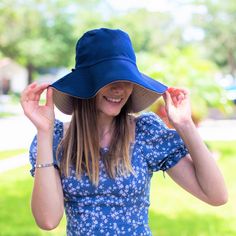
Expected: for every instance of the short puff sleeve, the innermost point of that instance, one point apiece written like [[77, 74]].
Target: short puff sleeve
[[57, 136], [163, 147]]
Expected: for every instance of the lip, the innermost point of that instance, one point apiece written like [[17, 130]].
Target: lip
[[113, 100]]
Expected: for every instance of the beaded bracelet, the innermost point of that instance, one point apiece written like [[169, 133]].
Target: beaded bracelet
[[44, 165]]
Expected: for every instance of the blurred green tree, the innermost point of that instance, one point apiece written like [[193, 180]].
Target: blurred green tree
[[39, 33], [42, 33], [186, 68], [149, 31], [164, 55], [218, 23]]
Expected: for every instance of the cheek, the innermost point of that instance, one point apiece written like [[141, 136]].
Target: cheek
[[129, 92], [99, 101]]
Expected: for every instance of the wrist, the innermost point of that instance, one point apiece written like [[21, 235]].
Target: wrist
[[46, 136], [186, 125]]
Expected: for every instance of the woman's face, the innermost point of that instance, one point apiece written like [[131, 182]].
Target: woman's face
[[113, 97]]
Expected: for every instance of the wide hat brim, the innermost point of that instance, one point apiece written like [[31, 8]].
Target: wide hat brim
[[85, 83]]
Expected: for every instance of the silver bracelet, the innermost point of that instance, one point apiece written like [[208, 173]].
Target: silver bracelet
[[44, 165]]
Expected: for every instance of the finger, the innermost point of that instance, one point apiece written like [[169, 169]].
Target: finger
[[35, 92], [173, 92], [174, 96], [180, 90], [179, 93], [27, 88], [180, 96], [49, 97], [32, 85], [24, 96], [25, 92], [164, 96], [27, 95], [175, 101], [170, 89], [39, 88], [167, 98]]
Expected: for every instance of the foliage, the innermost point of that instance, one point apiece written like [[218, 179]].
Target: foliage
[[185, 68], [172, 211], [162, 54], [150, 31], [45, 33], [5, 114], [218, 23]]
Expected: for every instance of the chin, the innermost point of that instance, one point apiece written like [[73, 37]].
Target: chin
[[112, 113]]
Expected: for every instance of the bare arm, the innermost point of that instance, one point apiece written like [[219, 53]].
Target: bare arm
[[47, 196], [197, 173]]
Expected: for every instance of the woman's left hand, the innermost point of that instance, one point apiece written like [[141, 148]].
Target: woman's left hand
[[177, 104]]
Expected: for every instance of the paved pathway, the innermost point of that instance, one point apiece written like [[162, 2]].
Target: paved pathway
[[218, 130], [17, 132], [13, 162]]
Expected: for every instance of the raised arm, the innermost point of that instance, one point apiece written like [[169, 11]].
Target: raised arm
[[197, 173], [47, 196]]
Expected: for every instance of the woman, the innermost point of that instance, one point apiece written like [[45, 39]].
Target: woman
[[99, 166]]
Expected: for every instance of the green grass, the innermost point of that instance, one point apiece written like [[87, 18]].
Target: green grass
[[10, 153], [15, 215], [6, 114], [173, 212], [15, 98]]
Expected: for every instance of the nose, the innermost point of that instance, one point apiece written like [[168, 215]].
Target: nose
[[118, 87]]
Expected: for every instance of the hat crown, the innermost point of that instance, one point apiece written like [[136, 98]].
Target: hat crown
[[103, 44]]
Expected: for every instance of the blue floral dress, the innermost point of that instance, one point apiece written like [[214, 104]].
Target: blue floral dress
[[118, 206]]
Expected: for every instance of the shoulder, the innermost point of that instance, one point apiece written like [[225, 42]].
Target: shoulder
[[60, 127], [59, 130], [148, 119], [149, 127]]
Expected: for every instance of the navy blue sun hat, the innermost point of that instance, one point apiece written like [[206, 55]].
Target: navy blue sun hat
[[104, 56]]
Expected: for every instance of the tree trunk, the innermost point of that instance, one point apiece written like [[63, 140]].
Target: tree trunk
[[30, 69], [232, 63]]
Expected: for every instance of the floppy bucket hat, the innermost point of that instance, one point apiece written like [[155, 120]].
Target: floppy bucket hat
[[104, 56]]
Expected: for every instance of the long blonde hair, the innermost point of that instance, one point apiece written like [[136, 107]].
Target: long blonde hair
[[81, 148]]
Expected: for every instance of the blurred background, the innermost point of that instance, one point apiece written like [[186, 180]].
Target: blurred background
[[189, 43]]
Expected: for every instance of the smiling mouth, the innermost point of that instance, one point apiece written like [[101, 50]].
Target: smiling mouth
[[114, 100]]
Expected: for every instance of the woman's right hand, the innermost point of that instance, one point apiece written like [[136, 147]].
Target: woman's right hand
[[42, 116]]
